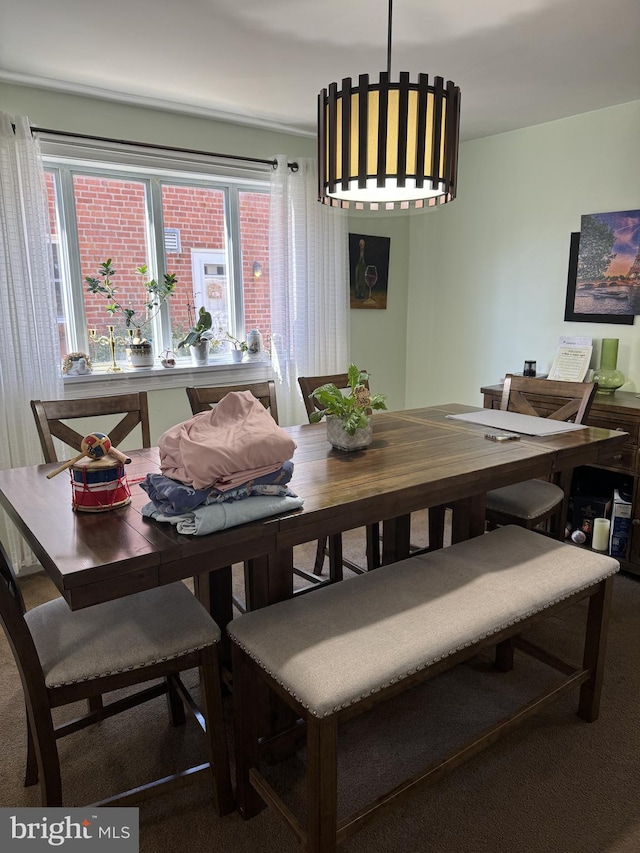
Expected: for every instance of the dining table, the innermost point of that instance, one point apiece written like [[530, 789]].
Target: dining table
[[419, 458]]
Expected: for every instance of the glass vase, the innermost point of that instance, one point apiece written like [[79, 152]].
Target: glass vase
[[608, 377]]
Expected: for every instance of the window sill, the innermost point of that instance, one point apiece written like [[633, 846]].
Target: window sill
[[219, 372]]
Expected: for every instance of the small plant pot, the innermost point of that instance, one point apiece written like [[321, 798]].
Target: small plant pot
[[140, 355], [341, 440], [200, 354], [237, 355]]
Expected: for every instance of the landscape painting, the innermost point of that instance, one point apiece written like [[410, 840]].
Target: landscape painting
[[606, 287]]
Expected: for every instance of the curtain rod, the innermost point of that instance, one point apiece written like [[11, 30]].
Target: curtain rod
[[272, 163]]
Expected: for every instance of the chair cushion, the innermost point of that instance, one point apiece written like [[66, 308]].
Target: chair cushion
[[131, 632], [525, 500], [338, 644]]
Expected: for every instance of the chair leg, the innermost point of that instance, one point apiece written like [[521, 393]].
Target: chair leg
[[31, 771], [320, 555], [335, 557], [216, 737], [175, 705], [373, 546], [45, 751], [246, 726], [95, 703]]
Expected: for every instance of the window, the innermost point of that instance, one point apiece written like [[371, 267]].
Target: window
[[208, 227]]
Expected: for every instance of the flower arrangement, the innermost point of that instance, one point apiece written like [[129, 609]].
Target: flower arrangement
[[354, 408], [156, 294]]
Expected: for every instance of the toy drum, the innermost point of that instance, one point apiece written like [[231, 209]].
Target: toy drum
[[99, 484]]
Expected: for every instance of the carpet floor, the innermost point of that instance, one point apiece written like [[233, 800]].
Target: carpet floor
[[554, 785]]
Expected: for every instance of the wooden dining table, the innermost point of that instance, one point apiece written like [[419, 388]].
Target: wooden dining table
[[419, 458]]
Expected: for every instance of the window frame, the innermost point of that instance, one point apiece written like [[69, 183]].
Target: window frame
[[65, 158]]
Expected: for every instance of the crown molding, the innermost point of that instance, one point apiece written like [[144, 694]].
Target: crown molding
[[69, 88]]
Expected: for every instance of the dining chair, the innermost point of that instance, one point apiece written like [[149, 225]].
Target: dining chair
[[332, 546], [51, 417], [203, 398], [532, 502], [64, 656]]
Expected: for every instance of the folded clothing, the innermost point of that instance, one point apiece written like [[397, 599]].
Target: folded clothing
[[210, 518], [225, 447], [174, 498]]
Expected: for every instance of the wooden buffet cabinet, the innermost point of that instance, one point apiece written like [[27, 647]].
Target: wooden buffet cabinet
[[620, 411]]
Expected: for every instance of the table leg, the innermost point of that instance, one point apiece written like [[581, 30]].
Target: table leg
[[396, 539], [468, 518]]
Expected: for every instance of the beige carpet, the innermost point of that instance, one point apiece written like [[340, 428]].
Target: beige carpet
[[556, 785]]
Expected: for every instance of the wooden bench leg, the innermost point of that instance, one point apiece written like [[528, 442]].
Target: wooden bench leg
[[322, 785], [594, 650], [504, 655], [245, 716]]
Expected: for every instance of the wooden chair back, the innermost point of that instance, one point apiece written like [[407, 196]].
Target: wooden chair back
[[203, 398], [308, 385], [50, 417], [550, 398]]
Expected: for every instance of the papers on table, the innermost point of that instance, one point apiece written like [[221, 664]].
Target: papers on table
[[515, 422]]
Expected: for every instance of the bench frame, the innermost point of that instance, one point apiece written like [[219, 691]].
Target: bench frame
[[323, 832]]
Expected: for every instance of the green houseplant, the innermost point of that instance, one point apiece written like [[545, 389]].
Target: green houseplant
[[139, 348], [199, 336], [348, 415], [239, 347]]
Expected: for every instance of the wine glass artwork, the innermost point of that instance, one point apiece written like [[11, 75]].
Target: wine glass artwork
[[370, 277]]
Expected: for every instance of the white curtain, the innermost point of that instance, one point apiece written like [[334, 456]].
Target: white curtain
[[309, 280], [29, 344]]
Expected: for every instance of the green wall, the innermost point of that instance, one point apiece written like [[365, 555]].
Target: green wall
[[488, 273]]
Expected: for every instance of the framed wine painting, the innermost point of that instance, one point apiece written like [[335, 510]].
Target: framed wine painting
[[368, 270]]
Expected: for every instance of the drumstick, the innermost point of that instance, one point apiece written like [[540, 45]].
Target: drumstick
[[119, 455], [66, 465]]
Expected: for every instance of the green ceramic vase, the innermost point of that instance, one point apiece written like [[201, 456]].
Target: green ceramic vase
[[608, 377]]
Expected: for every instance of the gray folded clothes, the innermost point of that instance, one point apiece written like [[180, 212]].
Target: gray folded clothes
[[211, 518]]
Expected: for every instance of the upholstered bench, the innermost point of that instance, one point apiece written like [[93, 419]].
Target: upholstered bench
[[340, 650]]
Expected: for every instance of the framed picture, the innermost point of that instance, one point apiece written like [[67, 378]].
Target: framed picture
[[603, 284], [587, 307], [368, 270]]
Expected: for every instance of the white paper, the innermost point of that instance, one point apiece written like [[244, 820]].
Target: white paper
[[515, 422], [574, 342], [571, 363]]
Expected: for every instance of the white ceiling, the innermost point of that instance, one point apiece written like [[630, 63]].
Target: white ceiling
[[517, 62]]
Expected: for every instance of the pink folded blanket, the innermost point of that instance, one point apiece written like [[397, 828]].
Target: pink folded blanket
[[234, 442]]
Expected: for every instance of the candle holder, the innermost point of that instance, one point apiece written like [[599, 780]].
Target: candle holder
[[112, 339]]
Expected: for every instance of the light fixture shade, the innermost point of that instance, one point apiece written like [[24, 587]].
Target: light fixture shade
[[386, 146]]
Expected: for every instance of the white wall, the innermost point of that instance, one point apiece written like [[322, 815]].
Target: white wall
[[488, 272]]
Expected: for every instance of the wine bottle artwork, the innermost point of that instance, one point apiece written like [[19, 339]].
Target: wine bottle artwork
[[361, 266], [371, 277]]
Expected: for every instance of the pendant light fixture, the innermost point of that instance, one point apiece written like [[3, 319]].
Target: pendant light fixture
[[385, 146]]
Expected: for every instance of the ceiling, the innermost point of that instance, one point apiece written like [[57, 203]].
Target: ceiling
[[263, 62]]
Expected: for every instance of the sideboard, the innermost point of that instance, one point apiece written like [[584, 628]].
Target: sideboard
[[620, 411]]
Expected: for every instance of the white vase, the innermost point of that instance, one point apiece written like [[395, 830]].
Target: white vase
[[200, 353], [341, 440], [237, 355]]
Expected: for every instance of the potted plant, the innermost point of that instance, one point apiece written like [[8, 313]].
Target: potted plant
[[198, 337], [139, 348], [348, 415], [239, 347]]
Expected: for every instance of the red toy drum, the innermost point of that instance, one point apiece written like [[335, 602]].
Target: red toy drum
[[99, 484]]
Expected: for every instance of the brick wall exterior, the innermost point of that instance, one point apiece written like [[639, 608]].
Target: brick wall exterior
[[111, 222]]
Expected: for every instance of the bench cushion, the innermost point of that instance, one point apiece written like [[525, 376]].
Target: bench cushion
[[525, 500], [338, 644]]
